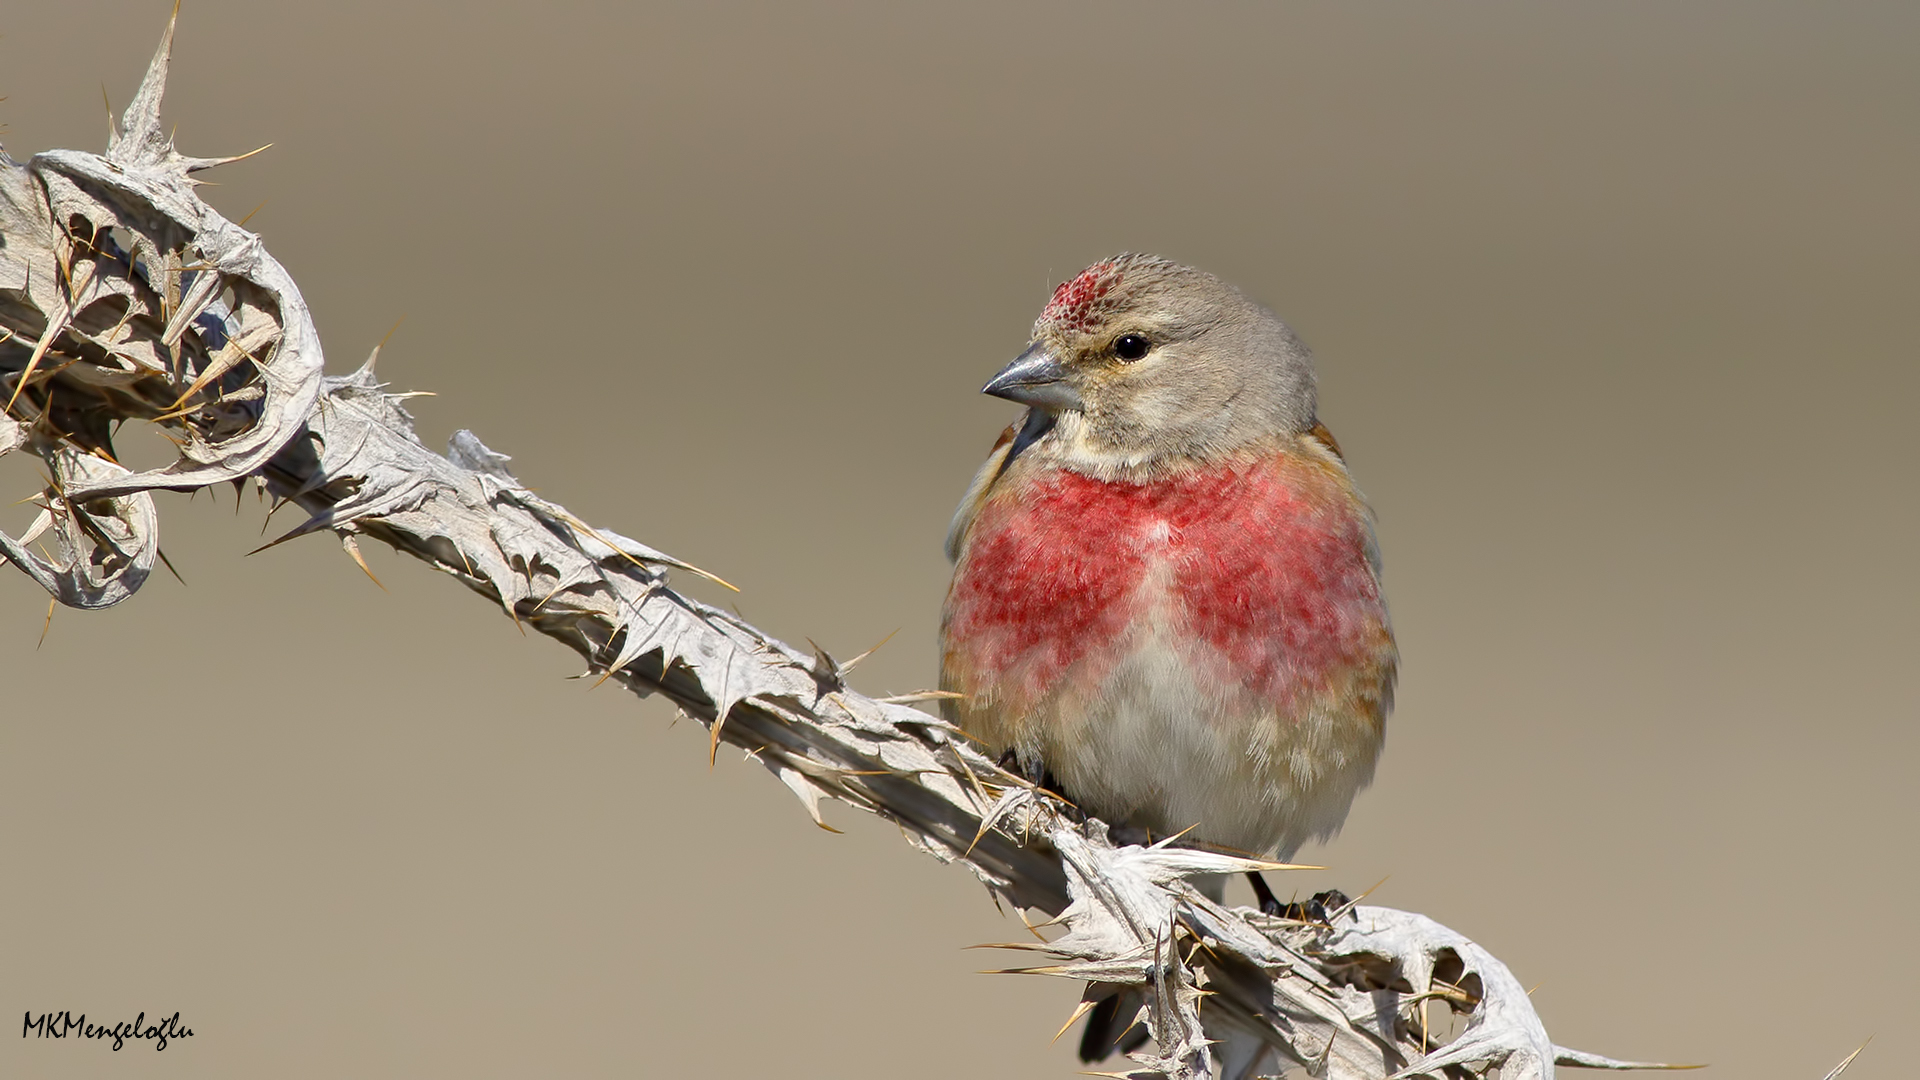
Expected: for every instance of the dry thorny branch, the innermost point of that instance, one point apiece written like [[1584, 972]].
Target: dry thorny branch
[[124, 297]]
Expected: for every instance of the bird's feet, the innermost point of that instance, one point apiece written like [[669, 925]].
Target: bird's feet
[[1321, 908], [1033, 771], [1036, 773]]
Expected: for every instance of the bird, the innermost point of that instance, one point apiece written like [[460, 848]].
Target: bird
[[1166, 600]]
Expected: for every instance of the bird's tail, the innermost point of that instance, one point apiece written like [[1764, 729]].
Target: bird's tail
[[1113, 1024]]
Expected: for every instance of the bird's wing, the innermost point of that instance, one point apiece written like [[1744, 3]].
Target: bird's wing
[[969, 507], [1319, 434], [1017, 437]]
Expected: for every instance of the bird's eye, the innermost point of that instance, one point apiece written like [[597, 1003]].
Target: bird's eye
[[1131, 347]]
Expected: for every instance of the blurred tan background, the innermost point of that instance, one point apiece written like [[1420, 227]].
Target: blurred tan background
[[1614, 305]]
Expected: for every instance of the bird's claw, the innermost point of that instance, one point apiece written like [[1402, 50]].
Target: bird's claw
[[1320, 909], [1035, 772]]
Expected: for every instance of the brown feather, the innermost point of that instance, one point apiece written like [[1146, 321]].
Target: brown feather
[[977, 491], [1319, 433]]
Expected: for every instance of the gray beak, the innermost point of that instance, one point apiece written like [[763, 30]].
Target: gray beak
[[1035, 378]]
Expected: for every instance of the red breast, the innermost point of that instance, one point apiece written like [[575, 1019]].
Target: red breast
[[1269, 560]]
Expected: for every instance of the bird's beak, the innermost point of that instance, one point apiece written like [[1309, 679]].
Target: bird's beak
[[1035, 378]]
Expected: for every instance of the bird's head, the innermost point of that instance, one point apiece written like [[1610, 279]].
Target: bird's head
[[1139, 362]]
